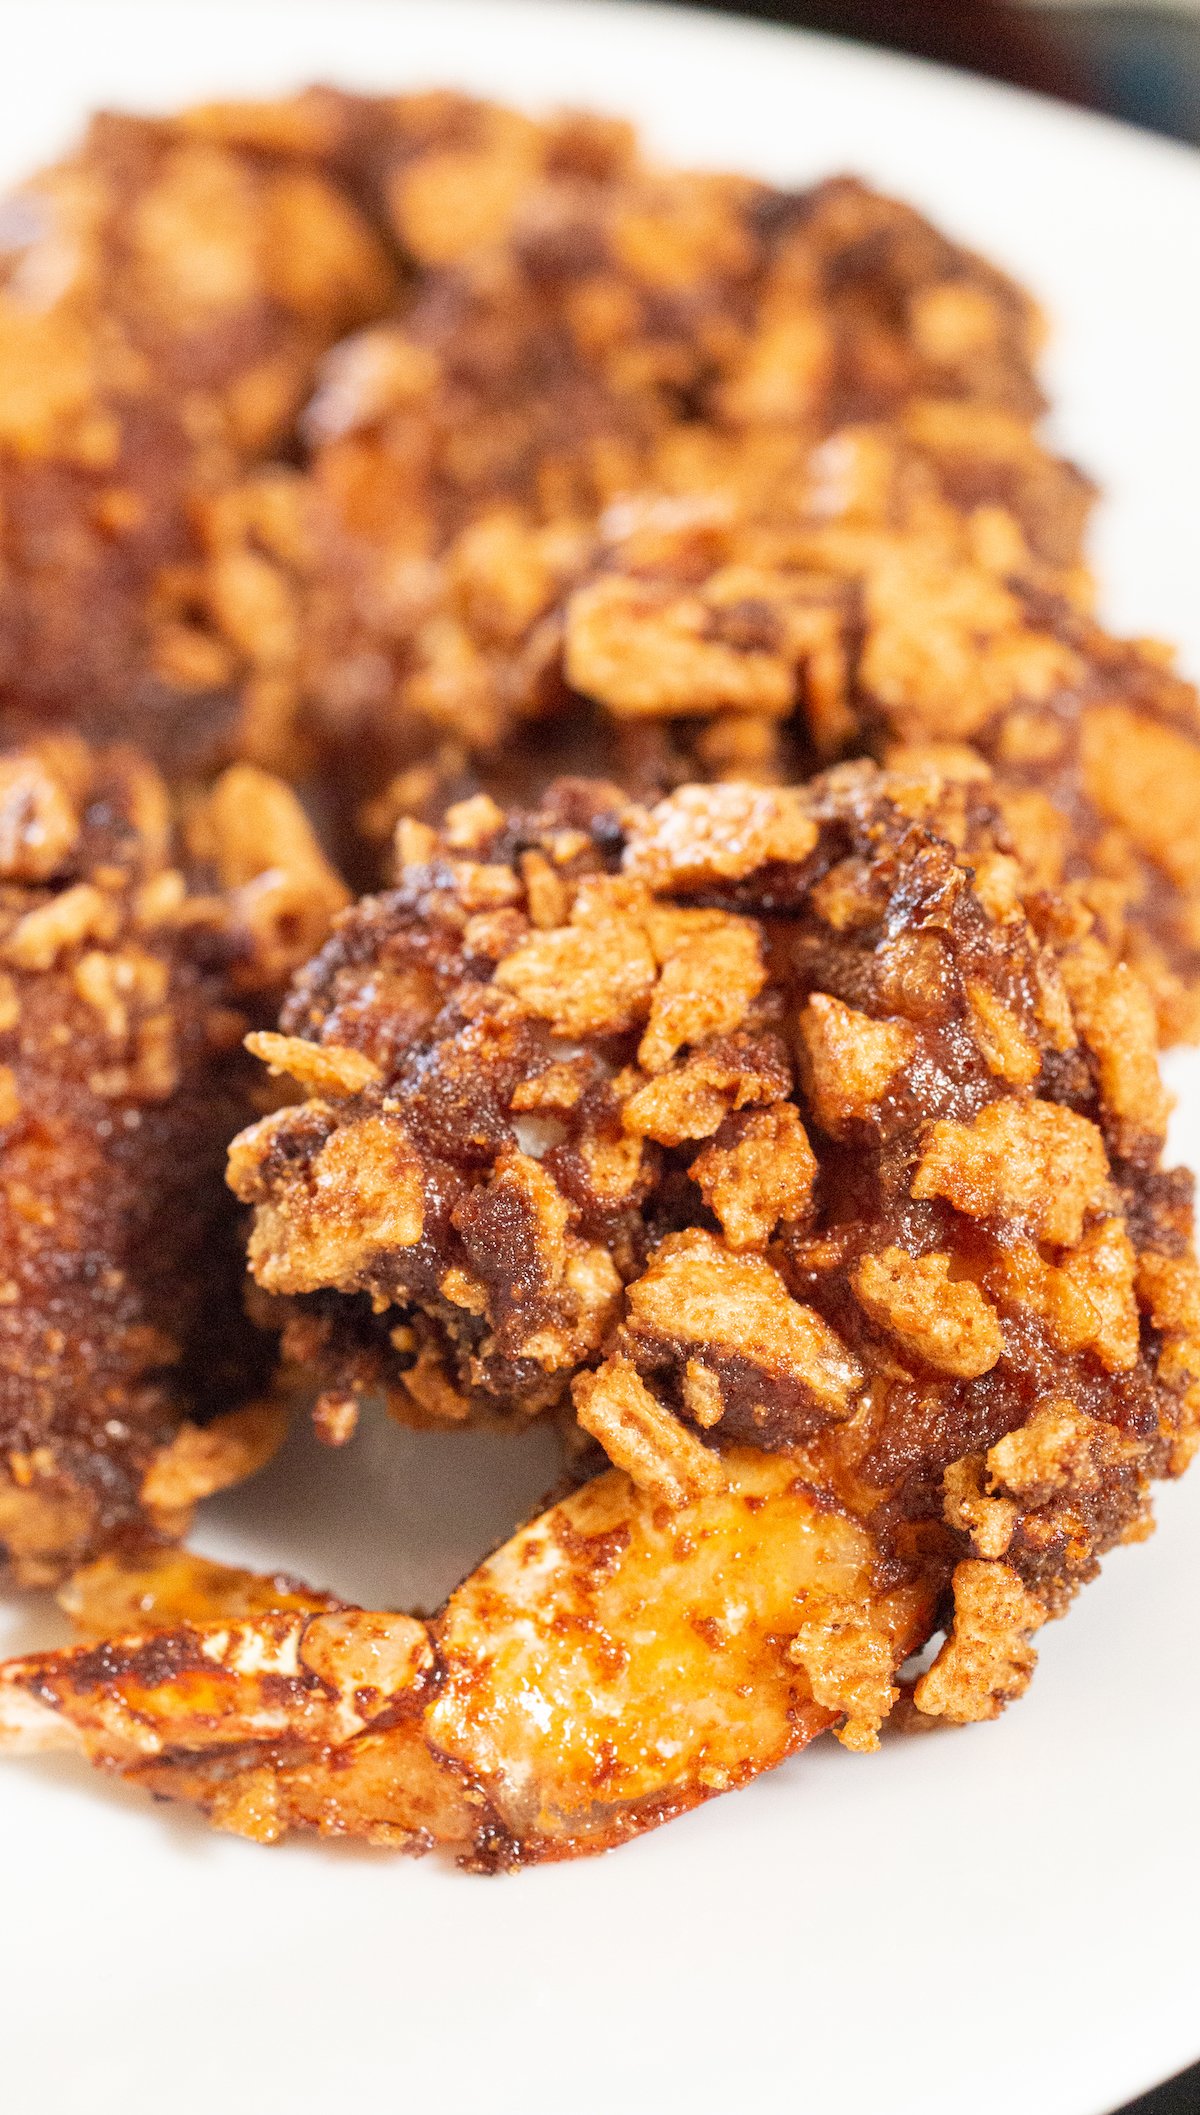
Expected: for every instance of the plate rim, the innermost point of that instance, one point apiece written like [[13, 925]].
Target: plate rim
[[1162, 157]]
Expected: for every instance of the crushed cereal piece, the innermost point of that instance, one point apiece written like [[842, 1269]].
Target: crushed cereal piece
[[987, 1659], [850, 1669], [641, 1437], [1033, 1163], [124, 1348], [705, 989], [719, 834], [323, 1068], [850, 1061], [759, 1171], [947, 1323]]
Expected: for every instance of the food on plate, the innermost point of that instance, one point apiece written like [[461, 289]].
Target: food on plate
[[581, 1056], [131, 965], [674, 476], [658, 350], [539, 1716], [752, 1065], [764, 1128], [412, 444], [164, 300], [523, 321], [763, 640]]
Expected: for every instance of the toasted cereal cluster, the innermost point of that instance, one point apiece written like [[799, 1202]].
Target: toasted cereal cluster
[[765, 1117], [943, 636], [418, 444], [126, 985], [165, 295], [540, 322], [624, 335], [755, 485]]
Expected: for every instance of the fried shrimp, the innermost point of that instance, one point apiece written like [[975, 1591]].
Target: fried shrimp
[[540, 1715], [764, 1129], [793, 1142], [164, 299], [728, 506], [767, 1132], [761, 1118], [934, 633], [261, 550], [130, 968], [631, 338], [415, 445]]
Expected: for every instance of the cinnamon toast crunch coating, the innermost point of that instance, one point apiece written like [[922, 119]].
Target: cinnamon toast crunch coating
[[655, 473], [130, 968], [168, 290], [165, 295], [534, 311], [932, 634], [761, 1117], [628, 331]]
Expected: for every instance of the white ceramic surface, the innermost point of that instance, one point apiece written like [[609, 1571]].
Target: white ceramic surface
[[972, 1922]]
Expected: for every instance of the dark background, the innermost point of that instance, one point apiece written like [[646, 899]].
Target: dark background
[[1137, 63], [1141, 63]]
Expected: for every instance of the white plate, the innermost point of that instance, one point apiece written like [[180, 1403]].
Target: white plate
[[966, 1923]]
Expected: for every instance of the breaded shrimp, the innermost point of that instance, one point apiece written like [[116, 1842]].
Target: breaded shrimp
[[611, 1666], [131, 965]]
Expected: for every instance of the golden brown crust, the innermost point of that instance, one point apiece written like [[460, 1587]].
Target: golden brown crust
[[960, 1329], [127, 972], [567, 381], [804, 1142], [837, 528], [884, 1203], [917, 634], [534, 314], [165, 299]]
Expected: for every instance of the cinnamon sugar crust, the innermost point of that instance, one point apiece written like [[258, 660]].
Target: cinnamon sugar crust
[[590, 1170], [413, 438], [165, 296], [414, 444], [130, 969]]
